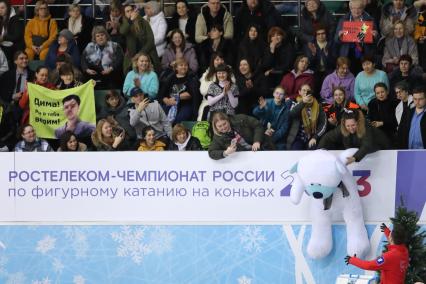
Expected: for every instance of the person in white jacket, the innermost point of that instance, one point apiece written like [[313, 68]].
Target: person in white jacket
[[157, 21]]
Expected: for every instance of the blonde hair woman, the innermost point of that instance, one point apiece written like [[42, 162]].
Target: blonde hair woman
[[142, 76], [108, 137]]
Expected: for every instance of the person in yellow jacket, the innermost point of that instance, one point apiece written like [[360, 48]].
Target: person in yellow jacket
[[149, 143], [40, 32], [420, 35]]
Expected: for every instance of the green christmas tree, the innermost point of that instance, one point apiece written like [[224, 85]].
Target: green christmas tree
[[416, 243]]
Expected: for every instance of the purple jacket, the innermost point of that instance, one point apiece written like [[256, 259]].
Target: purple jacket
[[188, 53], [332, 80]]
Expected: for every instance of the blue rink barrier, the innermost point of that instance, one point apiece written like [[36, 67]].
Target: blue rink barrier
[[263, 254]]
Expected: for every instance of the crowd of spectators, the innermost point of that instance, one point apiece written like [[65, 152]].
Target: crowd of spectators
[[260, 84]]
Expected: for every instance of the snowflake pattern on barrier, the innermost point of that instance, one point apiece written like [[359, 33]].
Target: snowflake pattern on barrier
[[3, 262], [16, 278], [46, 244], [131, 243], [252, 239], [78, 279], [198, 254], [161, 240], [78, 240], [57, 265], [244, 280], [44, 281]]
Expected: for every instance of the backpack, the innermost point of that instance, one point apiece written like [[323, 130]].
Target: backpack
[[200, 130]]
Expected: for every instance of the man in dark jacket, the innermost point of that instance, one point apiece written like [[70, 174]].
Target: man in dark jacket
[[412, 75], [412, 130], [12, 86], [259, 12]]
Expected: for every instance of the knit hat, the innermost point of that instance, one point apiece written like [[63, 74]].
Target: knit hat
[[66, 34]]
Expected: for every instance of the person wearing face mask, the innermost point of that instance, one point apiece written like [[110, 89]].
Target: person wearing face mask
[[381, 111], [182, 140], [184, 19], [222, 95], [342, 77], [275, 117], [398, 45], [102, 60], [308, 122], [353, 132]]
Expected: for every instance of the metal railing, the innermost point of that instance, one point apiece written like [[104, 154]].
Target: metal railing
[[229, 3]]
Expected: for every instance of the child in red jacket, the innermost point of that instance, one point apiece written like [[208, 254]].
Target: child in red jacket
[[392, 264]]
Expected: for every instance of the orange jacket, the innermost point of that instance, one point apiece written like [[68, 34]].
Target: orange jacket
[[39, 27]]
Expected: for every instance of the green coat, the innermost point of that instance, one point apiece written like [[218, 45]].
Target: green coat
[[138, 41], [248, 127]]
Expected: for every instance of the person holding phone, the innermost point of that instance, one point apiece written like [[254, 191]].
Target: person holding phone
[[309, 122], [105, 139], [235, 133]]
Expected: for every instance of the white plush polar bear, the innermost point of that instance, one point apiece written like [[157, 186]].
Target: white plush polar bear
[[325, 177]]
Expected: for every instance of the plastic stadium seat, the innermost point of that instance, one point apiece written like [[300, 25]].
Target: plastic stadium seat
[[34, 64]]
